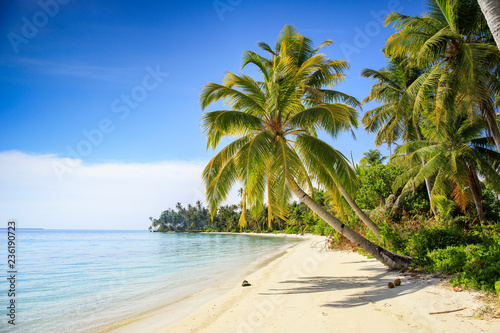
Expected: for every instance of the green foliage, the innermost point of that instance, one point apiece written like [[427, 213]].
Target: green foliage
[[375, 185], [373, 157], [448, 148], [416, 203], [475, 266], [195, 218], [444, 206], [302, 219], [491, 204], [423, 242], [293, 229], [322, 228], [472, 256], [393, 239], [448, 260]]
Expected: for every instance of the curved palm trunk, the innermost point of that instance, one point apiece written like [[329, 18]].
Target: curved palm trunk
[[392, 260], [395, 206], [491, 11], [491, 120], [366, 220], [475, 187], [428, 184]]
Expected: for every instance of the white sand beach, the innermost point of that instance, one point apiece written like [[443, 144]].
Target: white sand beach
[[307, 290]]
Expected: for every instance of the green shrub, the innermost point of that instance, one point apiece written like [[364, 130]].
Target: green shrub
[[392, 239], [475, 266], [449, 260], [318, 229], [321, 228], [420, 244]]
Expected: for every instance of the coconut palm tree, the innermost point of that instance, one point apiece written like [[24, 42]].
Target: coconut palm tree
[[300, 49], [276, 151], [457, 156], [491, 11], [374, 157], [453, 42], [396, 119]]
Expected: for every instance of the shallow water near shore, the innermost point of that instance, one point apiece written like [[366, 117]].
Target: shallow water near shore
[[82, 280]]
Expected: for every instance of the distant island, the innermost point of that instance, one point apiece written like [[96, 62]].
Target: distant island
[[24, 228]]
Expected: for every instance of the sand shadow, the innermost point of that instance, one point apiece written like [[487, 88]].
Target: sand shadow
[[363, 289]]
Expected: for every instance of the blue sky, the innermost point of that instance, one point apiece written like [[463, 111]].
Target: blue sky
[[114, 85]]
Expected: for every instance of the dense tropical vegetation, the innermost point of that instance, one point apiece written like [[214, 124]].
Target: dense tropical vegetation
[[434, 203]]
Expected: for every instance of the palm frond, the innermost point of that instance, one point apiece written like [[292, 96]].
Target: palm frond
[[217, 124], [332, 118]]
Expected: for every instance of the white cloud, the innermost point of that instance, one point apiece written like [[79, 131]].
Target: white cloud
[[97, 196]]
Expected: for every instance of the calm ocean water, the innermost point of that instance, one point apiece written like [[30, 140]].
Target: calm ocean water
[[74, 281]]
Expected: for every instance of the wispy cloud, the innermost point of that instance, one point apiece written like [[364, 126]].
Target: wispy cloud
[[58, 68], [97, 196]]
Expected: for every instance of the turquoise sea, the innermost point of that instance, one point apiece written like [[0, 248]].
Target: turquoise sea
[[82, 280]]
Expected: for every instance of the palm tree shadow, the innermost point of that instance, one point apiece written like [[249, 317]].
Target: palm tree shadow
[[363, 289]]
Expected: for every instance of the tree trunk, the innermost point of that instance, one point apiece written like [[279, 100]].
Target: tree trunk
[[428, 184], [392, 260], [491, 11], [491, 119], [475, 187], [366, 220], [395, 205]]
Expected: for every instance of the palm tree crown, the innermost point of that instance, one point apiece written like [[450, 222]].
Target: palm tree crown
[[374, 157], [455, 155], [275, 121]]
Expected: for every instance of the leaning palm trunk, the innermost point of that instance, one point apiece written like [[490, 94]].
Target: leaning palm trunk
[[392, 260], [366, 220], [491, 11], [429, 189], [428, 184], [475, 187], [489, 114]]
